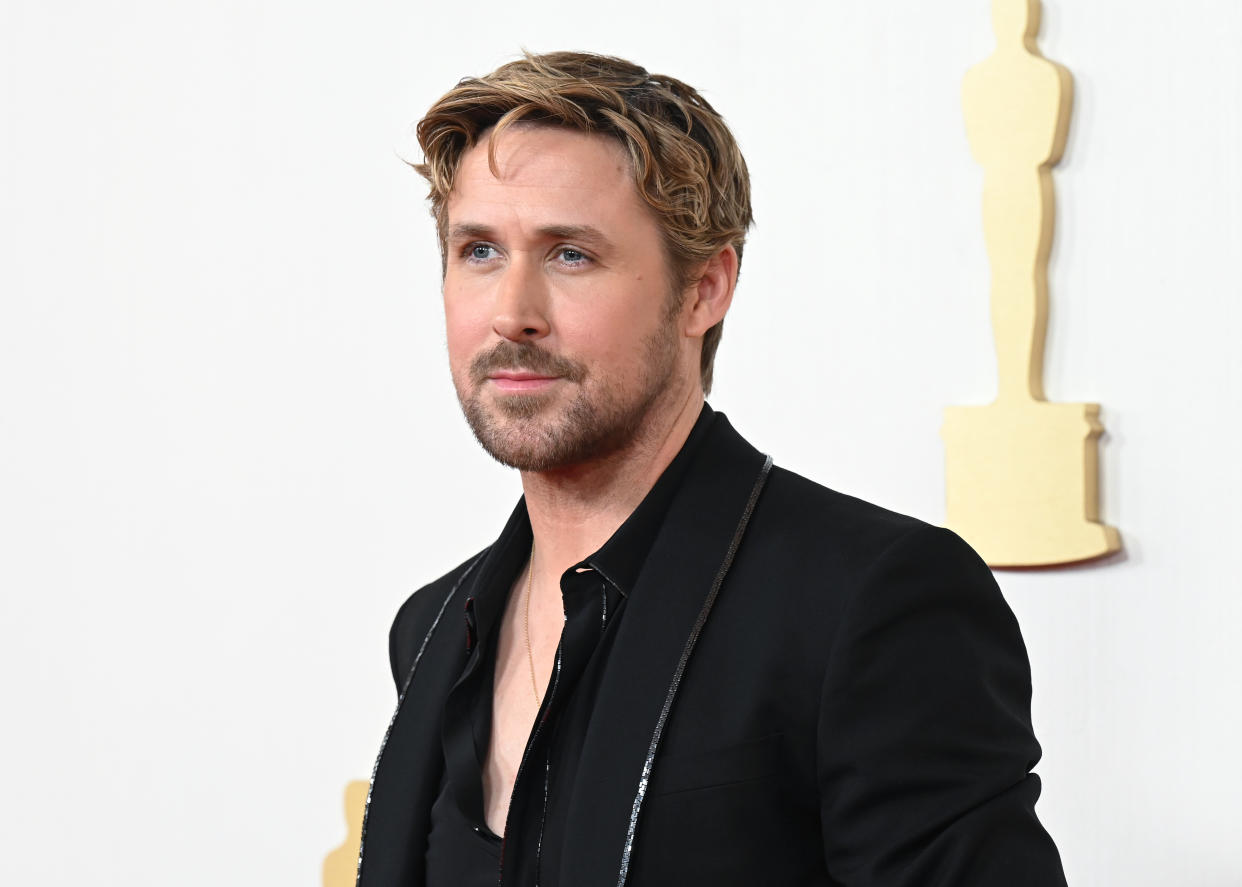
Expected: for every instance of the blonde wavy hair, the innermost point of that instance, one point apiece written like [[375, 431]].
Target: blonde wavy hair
[[686, 164]]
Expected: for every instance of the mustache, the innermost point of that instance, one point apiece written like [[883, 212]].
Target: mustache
[[526, 357]]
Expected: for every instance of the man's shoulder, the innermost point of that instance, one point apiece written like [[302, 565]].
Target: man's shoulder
[[836, 553], [800, 517], [798, 509], [421, 612], [801, 528]]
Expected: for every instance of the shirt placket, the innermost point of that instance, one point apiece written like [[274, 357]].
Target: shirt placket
[[585, 597]]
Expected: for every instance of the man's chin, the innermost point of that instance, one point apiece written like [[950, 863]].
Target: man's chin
[[509, 428], [529, 433], [524, 451]]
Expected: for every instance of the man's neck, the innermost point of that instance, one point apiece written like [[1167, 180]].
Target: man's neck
[[574, 511]]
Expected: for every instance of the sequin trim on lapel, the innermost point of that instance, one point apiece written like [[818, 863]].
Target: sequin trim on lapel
[[681, 666], [400, 699]]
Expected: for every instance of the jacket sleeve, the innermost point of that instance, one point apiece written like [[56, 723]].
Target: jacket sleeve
[[925, 743]]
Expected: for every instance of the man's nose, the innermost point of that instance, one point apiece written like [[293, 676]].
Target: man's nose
[[520, 311]]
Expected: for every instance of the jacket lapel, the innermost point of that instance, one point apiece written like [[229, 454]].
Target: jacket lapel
[[406, 778], [655, 638]]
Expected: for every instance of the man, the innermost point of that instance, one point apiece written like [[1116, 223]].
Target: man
[[677, 664]]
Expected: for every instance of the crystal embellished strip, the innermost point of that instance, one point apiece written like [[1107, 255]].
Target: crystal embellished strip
[[681, 667], [400, 699]]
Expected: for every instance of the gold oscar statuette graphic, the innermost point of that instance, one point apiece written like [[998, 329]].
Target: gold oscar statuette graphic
[[1021, 473], [341, 865]]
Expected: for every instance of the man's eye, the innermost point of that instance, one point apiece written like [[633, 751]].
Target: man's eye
[[571, 256], [481, 252]]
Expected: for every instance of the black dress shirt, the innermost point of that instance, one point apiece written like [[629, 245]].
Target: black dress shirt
[[462, 851]]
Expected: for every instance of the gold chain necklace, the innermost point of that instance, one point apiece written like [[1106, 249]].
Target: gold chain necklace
[[530, 652]]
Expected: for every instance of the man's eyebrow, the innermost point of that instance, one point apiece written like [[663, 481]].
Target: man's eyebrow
[[469, 231], [577, 233], [588, 234]]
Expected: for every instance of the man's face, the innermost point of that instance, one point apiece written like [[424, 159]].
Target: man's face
[[562, 334]]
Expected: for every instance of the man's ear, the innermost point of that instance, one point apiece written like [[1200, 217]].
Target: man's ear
[[710, 297]]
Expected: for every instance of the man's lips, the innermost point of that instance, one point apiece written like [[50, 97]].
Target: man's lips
[[518, 381]]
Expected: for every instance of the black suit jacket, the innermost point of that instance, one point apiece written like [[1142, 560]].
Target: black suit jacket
[[805, 689]]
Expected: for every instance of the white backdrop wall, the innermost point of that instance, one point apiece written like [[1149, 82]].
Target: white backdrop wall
[[229, 448]]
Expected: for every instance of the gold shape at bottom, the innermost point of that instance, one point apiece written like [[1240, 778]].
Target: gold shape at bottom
[[340, 867], [1022, 482]]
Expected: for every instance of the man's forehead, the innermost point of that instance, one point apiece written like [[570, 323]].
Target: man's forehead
[[543, 157], [547, 177], [519, 142]]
